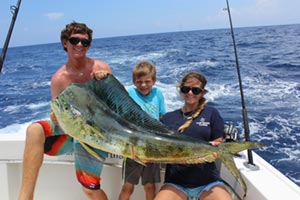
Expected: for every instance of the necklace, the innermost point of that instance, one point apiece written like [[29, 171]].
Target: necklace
[[81, 68], [188, 116], [81, 72]]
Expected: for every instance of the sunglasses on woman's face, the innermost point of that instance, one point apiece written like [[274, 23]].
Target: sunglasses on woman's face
[[186, 89], [76, 40]]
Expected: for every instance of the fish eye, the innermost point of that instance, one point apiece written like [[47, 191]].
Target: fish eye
[[89, 122]]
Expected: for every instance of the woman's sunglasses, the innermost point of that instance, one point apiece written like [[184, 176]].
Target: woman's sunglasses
[[76, 40], [186, 89]]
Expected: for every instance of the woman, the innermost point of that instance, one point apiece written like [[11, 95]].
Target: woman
[[197, 120]]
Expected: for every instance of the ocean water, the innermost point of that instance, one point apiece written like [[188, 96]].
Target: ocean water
[[270, 68]]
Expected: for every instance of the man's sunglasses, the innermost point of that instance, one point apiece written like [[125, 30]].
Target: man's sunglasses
[[186, 89], [76, 40]]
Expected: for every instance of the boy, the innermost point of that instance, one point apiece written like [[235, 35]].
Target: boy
[[151, 100]]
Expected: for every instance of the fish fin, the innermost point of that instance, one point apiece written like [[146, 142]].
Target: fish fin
[[136, 159], [91, 151], [132, 152], [121, 103], [228, 161], [226, 152], [140, 162], [89, 127]]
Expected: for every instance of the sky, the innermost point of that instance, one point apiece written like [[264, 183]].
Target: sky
[[40, 21]]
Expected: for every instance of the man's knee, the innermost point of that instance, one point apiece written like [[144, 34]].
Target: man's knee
[[35, 133], [94, 194], [88, 192]]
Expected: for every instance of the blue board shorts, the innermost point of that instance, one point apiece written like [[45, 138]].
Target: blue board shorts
[[195, 193], [88, 168]]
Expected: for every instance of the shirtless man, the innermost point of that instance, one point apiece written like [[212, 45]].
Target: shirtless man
[[45, 136]]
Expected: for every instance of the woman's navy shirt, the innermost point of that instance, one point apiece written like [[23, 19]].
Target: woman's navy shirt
[[208, 126]]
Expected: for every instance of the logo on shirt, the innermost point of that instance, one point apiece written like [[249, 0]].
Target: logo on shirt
[[202, 122]]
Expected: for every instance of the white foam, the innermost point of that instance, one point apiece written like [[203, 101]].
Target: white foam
[[31, 106], [15, 129]]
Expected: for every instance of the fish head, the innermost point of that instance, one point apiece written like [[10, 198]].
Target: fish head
[[62, 107], [67, 106]]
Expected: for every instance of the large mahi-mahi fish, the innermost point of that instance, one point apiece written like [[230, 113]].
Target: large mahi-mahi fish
[[100, 113]]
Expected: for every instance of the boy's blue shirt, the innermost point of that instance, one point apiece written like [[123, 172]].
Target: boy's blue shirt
[[153, 103]]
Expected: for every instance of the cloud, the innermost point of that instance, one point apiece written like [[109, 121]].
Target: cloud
[[258, 12], [267, 8], [54, 15]]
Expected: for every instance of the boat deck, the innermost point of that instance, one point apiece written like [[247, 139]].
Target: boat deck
[[57, 178]]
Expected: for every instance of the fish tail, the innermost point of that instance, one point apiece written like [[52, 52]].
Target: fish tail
[[235, 147], [226, 152], [227, 160]]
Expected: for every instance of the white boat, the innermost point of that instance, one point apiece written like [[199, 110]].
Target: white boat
[[57, 178]]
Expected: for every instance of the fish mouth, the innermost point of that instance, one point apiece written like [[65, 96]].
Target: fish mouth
[[57, 103]]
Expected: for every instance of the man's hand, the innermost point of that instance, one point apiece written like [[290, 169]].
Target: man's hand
[[53, 118], [100, 74]]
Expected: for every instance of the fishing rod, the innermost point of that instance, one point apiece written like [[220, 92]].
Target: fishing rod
[[244, 111], [14, 10]]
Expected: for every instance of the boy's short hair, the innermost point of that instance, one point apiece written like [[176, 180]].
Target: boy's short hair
[[73, 28], [142, 69]]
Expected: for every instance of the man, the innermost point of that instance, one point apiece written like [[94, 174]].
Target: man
[[45, 136]]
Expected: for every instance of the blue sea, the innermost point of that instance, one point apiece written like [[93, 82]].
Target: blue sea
[[269, 62]]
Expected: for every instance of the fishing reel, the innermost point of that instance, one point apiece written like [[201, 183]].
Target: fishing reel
[[231, 133]]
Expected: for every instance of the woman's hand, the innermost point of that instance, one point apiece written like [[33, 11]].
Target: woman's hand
[[216, 142]]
